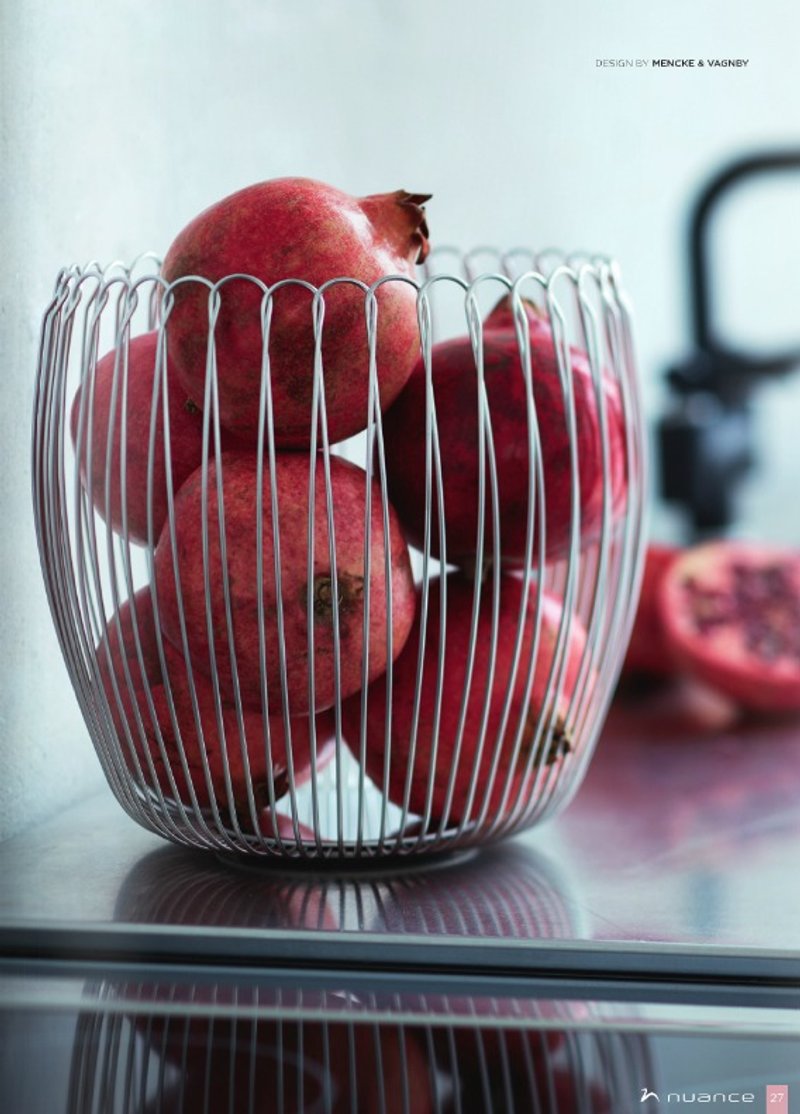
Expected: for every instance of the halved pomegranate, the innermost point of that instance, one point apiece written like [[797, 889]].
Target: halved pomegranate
[[731, 613], [647, 650]]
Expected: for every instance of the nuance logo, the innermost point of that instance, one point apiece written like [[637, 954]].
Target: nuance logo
[[688, 1098]]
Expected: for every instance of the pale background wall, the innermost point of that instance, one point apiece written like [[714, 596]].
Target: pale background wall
[[122, 119]]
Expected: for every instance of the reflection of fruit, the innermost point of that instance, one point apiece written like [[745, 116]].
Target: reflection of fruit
[[185, 438], [731, 612], [648, 651], [180, 887], [496, 1071], [455, 387], [240, 492], [504, 893], [295, 228], [509, 893], [392, 1071], [433, 771], [114, 655], [295, 1066], [284, 1058]]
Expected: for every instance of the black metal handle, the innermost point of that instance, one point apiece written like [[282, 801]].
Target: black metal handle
[[716, 189], [705, 440]]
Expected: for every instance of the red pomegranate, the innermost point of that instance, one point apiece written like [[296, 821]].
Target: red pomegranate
[[185, 437], [239, 480], [648, 651], [130, 633], [230, 751], [296, 228], [128, 662], [731, 613], [455, 387], [436, 769], [259, 758]]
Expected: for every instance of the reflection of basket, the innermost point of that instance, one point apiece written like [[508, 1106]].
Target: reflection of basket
[[508, 893], [203, 745], [245, 1050]]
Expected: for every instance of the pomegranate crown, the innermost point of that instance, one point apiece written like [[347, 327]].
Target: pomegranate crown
[[401, 214]]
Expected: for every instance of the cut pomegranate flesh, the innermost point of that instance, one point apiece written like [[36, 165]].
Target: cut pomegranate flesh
[[731, 612]]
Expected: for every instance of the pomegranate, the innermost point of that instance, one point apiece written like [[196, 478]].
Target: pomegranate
[[648, 651], [731, 613], [239, 480], [130, 635], [130, 632], [455, 387], [296, 228], [433, 762], [113, 656], [185, 438], [245, 757]]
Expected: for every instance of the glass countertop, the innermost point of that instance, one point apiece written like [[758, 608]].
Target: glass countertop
[[677, 857]]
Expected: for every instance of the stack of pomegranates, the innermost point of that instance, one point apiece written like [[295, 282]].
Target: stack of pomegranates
[[232, 663]]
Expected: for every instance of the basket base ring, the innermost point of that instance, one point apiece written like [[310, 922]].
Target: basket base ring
[[338, 867]]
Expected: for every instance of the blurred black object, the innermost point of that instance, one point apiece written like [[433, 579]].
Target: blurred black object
[[705, 440]]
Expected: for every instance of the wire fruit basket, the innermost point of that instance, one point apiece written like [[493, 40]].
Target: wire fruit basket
[[391, 642]]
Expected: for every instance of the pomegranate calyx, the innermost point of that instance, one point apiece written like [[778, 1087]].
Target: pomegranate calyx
[[401, 214], [559, 743], [350, 594], [556, 745]]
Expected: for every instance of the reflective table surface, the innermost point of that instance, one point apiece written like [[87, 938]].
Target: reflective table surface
[[677, 858], [638, 952], [145, 1044]]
